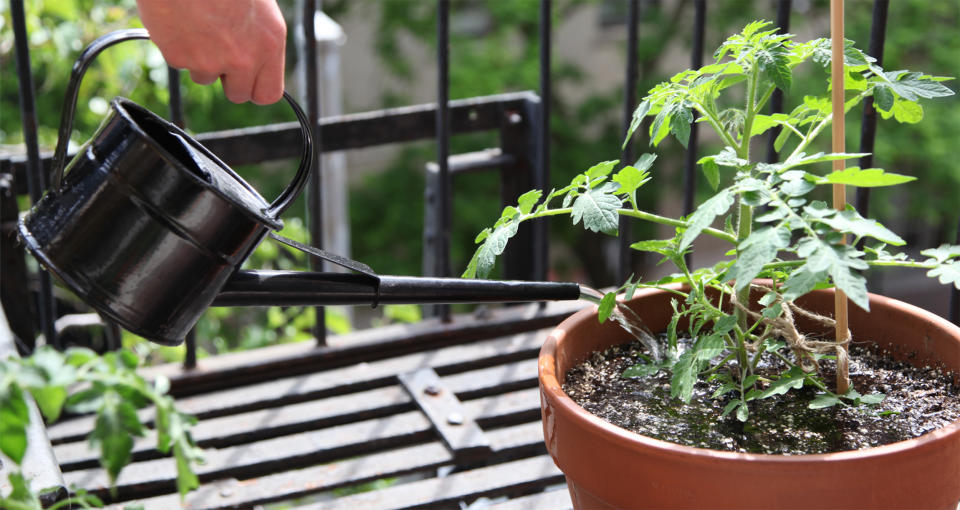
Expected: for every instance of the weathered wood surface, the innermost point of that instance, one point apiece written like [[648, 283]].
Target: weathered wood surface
[[304, 438]]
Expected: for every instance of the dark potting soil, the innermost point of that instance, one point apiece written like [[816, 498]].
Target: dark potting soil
[[918, 400]]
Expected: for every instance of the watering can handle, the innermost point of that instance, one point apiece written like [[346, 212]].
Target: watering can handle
[[287, 196]]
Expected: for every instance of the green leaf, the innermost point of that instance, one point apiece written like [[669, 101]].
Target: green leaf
[[660, 127], [725, 324], [775, 65], [645, 161], [50, 400], [186, 478], [743, 412], [14, 417], [607, 304], [850, 220], [761, 123], [21, 496], [907, 112], [947, 273], [759, 248], [528, 200], [912, 86], [820, 157], [684, 376], [711, 171], [630, 178], [864, 177], [704, 216], [601, 169], [733, 404], [597, 208], [112, 437], [872, 398], [942, 253], [680, 120], [824, 400], [638, 116], [486, 255], [641, 370], [823, 259], [708, 347], [790, 380], [883, 98]]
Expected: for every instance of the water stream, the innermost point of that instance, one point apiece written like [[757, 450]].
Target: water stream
[[627, 319]]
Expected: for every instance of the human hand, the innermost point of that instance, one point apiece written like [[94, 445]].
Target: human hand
[[239, 41]]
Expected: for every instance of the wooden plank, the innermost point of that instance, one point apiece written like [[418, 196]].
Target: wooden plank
[[264, 424], [522, 475], [301, 449], [286, 485], [458, 430], [553, 499], [337, 381]]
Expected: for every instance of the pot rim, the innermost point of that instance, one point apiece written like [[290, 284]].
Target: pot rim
[[121, 105], [552, 389]]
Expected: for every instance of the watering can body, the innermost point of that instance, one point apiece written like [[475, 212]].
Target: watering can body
[[145, 224]]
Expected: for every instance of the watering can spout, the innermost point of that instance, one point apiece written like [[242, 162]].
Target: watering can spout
[[297, 288]]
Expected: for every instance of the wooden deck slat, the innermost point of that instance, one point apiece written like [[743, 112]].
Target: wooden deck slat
[[154, 476], [332, 382], [261, 424], [231, 493], [521, 475]]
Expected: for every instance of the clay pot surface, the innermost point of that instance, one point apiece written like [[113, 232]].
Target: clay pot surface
[[610, 467]]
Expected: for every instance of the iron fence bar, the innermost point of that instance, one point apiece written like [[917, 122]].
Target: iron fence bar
[[443, 147], [625, 259], [176, 117], [776, 100], [868, 126], [314, 198], [36, 177], [542, 173], [690, 158]]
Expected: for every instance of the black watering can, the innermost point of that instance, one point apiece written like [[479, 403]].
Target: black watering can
[[150, 228]]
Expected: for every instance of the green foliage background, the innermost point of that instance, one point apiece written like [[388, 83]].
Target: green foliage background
[[386, 209]]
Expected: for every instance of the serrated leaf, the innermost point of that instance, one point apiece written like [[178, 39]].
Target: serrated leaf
[[775, 65], [708, 347], [820, 157], [645, 161], [761, 123], [782, 139], [725, 324], [684, 376], [630, 178], [597, 208], [728, 157], [704, 216], [943, 252], [850, 220], [711, 171], [947, 273], [680, 120], [601, 169], [864, 177], [660, 127], [824, 400], [823, 260], [115, 443], [790, 380], [912, 86], [759, 248], [528, 200], [638, 116], [486, 255], [907, 112]]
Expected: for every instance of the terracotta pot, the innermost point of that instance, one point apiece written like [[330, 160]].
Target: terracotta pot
[[610, 467]]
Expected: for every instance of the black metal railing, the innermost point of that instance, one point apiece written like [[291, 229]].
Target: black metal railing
[[523, 160]]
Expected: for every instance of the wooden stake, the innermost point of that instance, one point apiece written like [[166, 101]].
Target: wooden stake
[[838, 78]]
